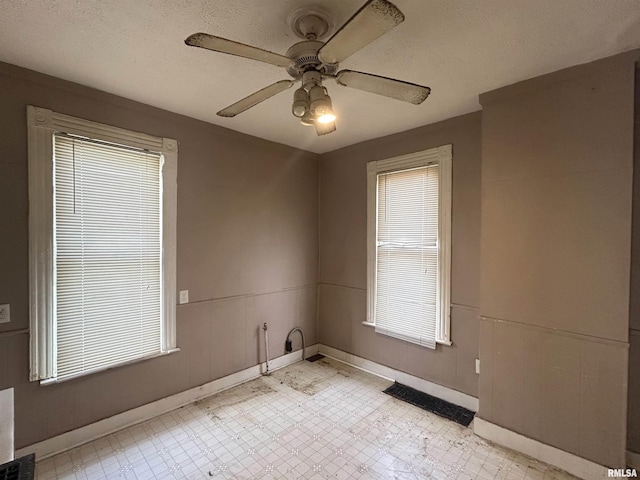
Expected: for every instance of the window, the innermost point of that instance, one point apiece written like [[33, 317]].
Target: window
[[102, 234], [409, 246]]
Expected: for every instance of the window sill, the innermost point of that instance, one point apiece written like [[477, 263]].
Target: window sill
[[51, 381], [438, 342]]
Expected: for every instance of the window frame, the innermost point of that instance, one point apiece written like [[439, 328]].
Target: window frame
[[42, 124], [441, 156]]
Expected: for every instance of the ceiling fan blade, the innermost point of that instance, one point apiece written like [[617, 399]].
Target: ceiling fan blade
[[255, 98], [388, 87], [374, 19], [217, 44], [325, 128]]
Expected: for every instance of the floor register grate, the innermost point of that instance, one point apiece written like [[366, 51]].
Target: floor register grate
[[432, 404], [315, 358], [22, 468]]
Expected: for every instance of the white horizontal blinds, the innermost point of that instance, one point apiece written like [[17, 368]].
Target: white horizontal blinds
[[407, 255], [107, 255]]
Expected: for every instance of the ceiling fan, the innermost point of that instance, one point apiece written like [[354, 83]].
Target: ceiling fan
[[312, 61]]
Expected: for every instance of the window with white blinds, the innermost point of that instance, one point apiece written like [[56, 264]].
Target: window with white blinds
[[108, 254], [409, 247], [102, 206]]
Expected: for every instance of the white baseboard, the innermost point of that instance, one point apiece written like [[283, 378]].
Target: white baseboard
[[633, 460], [93, 431], [448, 394], [578, 466]]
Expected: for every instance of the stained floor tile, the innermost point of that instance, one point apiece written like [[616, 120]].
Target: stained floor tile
[[306, 421]]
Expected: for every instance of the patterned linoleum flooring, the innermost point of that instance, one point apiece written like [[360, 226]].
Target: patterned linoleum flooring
[[309, 420]]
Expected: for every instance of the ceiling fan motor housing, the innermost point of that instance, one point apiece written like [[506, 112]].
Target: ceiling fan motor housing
[[305, 57]]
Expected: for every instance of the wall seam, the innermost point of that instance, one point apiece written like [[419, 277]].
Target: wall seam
[[580, 336]]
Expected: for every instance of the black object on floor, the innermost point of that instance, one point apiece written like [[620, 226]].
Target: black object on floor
[[432, 404], [316, 357], [22, 468]]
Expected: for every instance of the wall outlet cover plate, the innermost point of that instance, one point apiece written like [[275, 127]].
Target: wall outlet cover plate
[[5, 313]]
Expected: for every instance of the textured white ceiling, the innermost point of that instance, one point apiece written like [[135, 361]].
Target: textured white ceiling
[[460, 48]]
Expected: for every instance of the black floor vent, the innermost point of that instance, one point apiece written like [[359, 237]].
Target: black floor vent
[[22, 468], [432, 404], [315, 358]]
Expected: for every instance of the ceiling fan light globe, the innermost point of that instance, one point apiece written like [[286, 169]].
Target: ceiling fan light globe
[[299, 109], [307, 120], [327, 117], [321, 107], [320, 102], [300, 103]]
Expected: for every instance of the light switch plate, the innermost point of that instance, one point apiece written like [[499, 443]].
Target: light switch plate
[[184, 296], [5, 313], [477, 365]]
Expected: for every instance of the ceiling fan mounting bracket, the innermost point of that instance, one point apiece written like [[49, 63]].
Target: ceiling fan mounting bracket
[[310, 22]]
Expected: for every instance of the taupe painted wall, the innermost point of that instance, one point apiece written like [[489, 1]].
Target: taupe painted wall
[[343, 254], [633, 419], [557, 168], [553, 288], [247, 253]]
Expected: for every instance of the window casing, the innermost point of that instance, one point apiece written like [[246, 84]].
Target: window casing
[[72, 242], [409, 246]]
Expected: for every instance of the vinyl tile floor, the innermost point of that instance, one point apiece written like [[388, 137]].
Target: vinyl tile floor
[[308, 420]]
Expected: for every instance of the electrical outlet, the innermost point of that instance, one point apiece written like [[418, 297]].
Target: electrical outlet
[[477, 365], [184, 296], [5, 313]]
